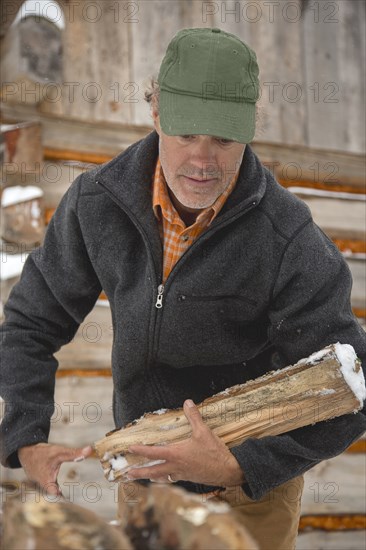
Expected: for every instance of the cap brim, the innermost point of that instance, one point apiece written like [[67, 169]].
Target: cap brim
[[186, 115]]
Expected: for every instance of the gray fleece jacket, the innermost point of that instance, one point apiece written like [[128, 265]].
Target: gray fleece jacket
[[261, 288]]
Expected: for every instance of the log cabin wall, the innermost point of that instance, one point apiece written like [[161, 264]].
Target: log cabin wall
[[311, 56]]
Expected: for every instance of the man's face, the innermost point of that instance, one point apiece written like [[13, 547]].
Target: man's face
[[197, 168]]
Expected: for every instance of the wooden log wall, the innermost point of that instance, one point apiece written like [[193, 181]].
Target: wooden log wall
[[323, 55], [311, 57]]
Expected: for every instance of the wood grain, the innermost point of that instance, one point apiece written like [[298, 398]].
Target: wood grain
[[280, 401]]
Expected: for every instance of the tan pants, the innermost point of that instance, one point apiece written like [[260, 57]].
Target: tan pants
[[272, 521]]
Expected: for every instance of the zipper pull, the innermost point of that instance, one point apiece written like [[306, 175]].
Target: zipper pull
[[159, 299]]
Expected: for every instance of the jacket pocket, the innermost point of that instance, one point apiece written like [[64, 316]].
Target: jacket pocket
[[217, 329], [207, 298]]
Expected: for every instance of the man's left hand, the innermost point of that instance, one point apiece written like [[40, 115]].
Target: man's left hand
[[203, 458]]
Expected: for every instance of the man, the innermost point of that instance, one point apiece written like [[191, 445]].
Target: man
[[215, 275]]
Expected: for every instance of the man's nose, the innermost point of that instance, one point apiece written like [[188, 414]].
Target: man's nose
[[204, 154]]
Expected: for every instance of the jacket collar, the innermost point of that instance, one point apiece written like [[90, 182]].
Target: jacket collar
[[129, 178]]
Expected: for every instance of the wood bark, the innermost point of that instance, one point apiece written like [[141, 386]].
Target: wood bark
[[42, 524], [162, 516], [311, 391]]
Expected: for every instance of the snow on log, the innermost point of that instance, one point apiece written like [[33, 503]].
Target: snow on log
[[327, 384]]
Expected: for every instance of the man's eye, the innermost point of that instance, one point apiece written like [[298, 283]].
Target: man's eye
[[187, 137], [223, 141]]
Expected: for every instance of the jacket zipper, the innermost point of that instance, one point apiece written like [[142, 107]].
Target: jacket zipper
[[161, 286], [159, 298]]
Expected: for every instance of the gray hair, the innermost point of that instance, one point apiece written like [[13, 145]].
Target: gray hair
[[152, 94]]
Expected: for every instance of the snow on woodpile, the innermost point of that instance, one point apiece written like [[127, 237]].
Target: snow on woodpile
[[18, 194], [351, 370], [11, 265], [350, 367]]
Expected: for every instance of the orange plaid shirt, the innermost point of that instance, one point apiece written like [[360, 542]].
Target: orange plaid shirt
[[176, 236]]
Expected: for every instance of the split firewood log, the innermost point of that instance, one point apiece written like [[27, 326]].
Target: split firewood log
[[42, 524], [328, 384], [162, 516]]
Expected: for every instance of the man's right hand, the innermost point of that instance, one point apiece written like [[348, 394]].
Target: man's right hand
[[42, 463]]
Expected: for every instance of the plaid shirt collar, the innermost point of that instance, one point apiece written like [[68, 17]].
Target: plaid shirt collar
[[162, 203]]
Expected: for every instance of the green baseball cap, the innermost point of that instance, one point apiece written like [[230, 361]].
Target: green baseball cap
[[209, 85]]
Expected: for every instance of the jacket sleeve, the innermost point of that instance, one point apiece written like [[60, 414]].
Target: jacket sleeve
[[57, 288], [310, 309]]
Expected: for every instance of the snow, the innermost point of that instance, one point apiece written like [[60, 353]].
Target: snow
[[349, 365], [313, 193], [218, 507], [119, 463], [351, 370], [18, 193], [326, 391], [11, 265], [224, 392], [196, 515], [316, 357], [111, 476], [103, 303], [160, 411]]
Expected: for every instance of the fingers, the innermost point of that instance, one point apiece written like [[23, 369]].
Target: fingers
[[42, 463], [66, 454], [154, 473], [193, 415], [158, 452], [51, 488]]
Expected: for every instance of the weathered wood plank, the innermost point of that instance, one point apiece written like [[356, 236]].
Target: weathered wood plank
[[336, 486], [158, 23], [319, 75], [92, 344], [339, 218], [96, 45], [66, 132], [83, 410], [320, 540], [290, 163], [283, 84], [351, 78], [333, 522], [358, 271], [327, 51]]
